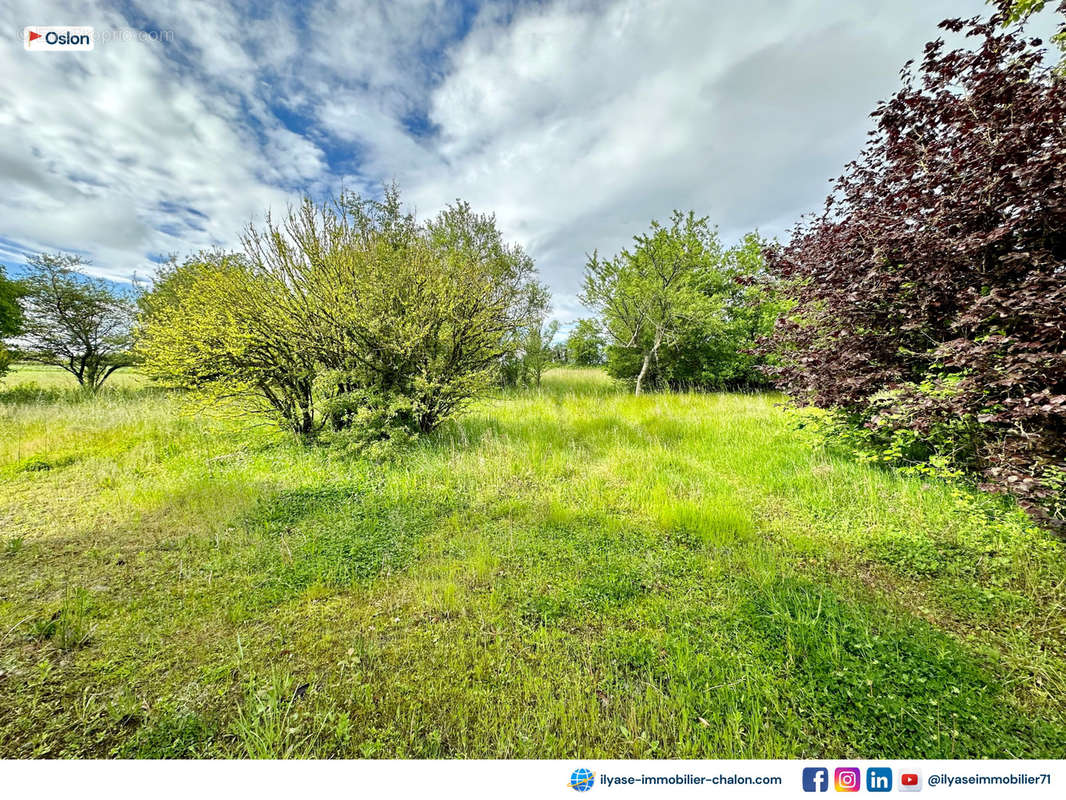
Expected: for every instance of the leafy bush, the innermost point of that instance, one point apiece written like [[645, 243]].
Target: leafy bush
[[929, 298], [367, 421], [345, 308], [222, 327]]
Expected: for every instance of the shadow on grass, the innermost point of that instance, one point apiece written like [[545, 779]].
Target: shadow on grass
[[888, 684], [333, 537]]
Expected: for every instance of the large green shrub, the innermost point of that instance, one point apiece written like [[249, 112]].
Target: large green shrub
[[344, 313]]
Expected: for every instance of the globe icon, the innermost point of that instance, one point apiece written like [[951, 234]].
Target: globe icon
[[582, 780]]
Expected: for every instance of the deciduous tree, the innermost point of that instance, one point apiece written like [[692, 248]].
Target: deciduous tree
[[682, 312], [585, 345], [74, 321], [645, 294]]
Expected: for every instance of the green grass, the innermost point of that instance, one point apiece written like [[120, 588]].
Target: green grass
[[568, 572], [42, 376]]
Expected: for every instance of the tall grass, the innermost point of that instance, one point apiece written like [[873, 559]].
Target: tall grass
[[564, 572]]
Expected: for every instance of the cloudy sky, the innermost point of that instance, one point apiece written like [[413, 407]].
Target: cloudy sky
[[575, 122]]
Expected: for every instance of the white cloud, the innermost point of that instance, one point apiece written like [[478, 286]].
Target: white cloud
[[576, 122], [107, 151], [580, 123]]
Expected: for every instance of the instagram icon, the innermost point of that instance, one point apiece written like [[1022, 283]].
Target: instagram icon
[[846, 779]]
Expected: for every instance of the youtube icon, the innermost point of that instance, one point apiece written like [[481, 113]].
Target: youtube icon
[[910, 781]]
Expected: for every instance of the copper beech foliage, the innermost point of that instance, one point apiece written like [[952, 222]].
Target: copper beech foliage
[[932, 290]]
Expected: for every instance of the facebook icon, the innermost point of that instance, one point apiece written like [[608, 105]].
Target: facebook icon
[[879, 779], [815, 779]]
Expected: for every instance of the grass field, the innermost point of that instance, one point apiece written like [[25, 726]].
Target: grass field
[[570, 572], [51, 378]]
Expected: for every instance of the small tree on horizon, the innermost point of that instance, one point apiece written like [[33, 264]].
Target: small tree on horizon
[[645, 294], [539, 351], [584, 346], [73, 321]]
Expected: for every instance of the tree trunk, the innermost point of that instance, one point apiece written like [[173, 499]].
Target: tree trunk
[[654, 352], [643, 370]]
